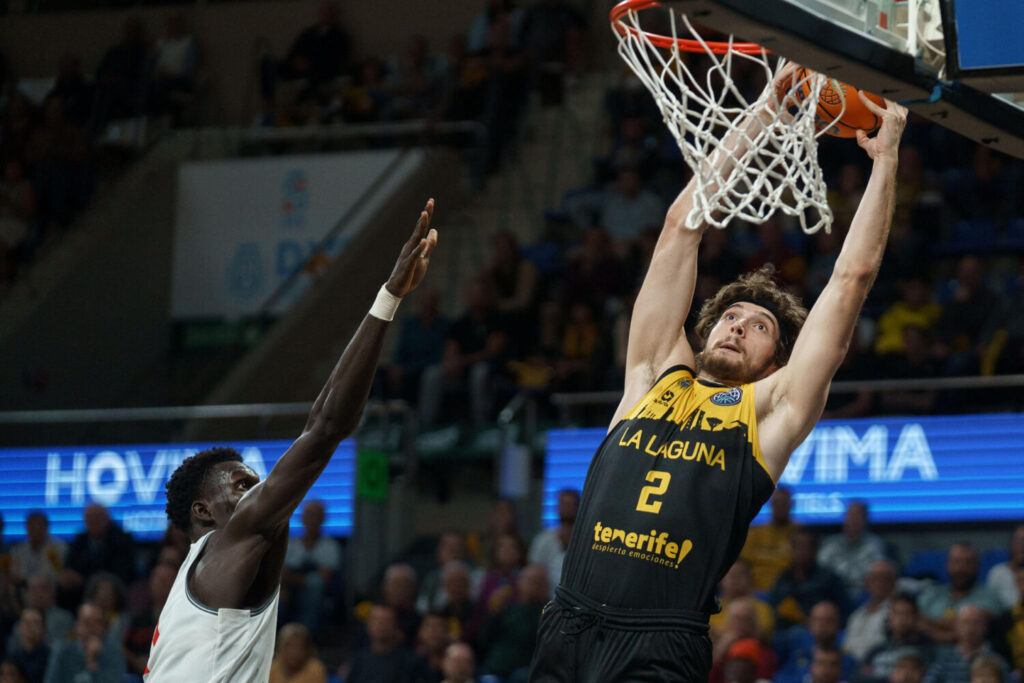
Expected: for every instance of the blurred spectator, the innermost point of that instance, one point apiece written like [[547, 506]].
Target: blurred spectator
[[966, 302], [856, 365], [741, 626], [627, 207], [41, 594], [89, 652], [903, 634], [319, 54], [107, 592], [504, 90], [27, 647], [983, 191], [74, 90], [501, 521], [737, 585], [451, 547], [398, 591], [797, 646], [548, 546], [103, 546], [866, 627], [138, 633], [385, 660], [500, 580], [593, 272], [418, 81], [513, 279], [474, 353], [311, 565], [915, 362], [790, 264], [459, 664], [432, 641], [939, 603], [844, 197], [420, 344], [12, 672], [910, 668], [17, 210], [852, 552], [915, 307], [717, 257], [367, 97], [826, 666], [295, 659], [805, 583], [1003, 337], [823, 262], [1008, 629], [768, 549], [987, 669], [581, 362], [58, 151], [1001, 577], [16, 130], [122, 76], [744, 663], [509, 635], [459, 607], [479, 35], [953, 665], [174, 74], [623, 208], [40, 553], [552, 34]]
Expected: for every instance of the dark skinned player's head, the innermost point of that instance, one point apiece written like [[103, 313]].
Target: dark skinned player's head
[[204, 490]]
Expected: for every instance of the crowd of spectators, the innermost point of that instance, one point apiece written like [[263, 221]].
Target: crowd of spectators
[[51, 130], [848, 609], [484, 74], [553, 315]]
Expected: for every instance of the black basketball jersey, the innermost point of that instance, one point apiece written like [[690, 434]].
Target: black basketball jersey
[[669, 497]]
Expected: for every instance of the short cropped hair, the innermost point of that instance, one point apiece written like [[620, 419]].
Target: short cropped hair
[[760, 288], [186, 484]]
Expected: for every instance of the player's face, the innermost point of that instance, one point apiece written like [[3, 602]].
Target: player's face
[[227, 482], [741, 345]]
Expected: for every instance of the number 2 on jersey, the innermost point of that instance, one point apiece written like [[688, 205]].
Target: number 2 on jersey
[[660, 485]]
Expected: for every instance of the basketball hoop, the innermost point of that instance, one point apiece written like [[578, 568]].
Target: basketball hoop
[[751, 156]]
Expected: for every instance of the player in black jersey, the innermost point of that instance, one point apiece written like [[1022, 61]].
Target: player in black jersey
[[698, 442]]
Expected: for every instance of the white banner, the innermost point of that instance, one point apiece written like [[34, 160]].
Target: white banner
[[244, 225]]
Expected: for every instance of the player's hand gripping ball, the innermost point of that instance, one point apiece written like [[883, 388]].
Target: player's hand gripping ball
[[831, 115]]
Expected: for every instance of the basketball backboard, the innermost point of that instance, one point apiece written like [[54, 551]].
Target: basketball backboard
[[947, 60]]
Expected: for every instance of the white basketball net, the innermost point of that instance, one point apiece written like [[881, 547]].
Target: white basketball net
[[749, 158]]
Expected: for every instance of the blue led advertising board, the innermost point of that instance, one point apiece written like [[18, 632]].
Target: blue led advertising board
[[129, 481], [929, 469]]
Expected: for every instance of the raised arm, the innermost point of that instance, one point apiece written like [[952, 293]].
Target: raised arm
[[266, 509], [790, 401], [657, 340]]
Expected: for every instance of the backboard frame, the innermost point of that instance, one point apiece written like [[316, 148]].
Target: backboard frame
[[867, 62]]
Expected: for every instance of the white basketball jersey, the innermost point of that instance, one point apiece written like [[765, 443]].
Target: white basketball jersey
[[193, 642]]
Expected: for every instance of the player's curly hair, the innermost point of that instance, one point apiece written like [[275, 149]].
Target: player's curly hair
[[758, 287], [186, 484]]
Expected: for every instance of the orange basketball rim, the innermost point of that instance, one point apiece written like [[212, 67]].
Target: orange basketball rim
[[623, 8]]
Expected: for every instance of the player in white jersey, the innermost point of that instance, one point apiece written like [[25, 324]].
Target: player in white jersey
[[218, 623]]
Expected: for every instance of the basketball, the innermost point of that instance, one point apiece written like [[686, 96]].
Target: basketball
[[830, 114]]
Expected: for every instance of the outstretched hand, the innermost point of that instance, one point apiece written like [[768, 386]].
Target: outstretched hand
[[415, 256], [885, 143]]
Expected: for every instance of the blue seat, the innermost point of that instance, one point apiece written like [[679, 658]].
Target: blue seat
[[928, 563], [992, 557]]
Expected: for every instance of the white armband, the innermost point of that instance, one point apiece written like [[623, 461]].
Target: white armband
[[385, 305]]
